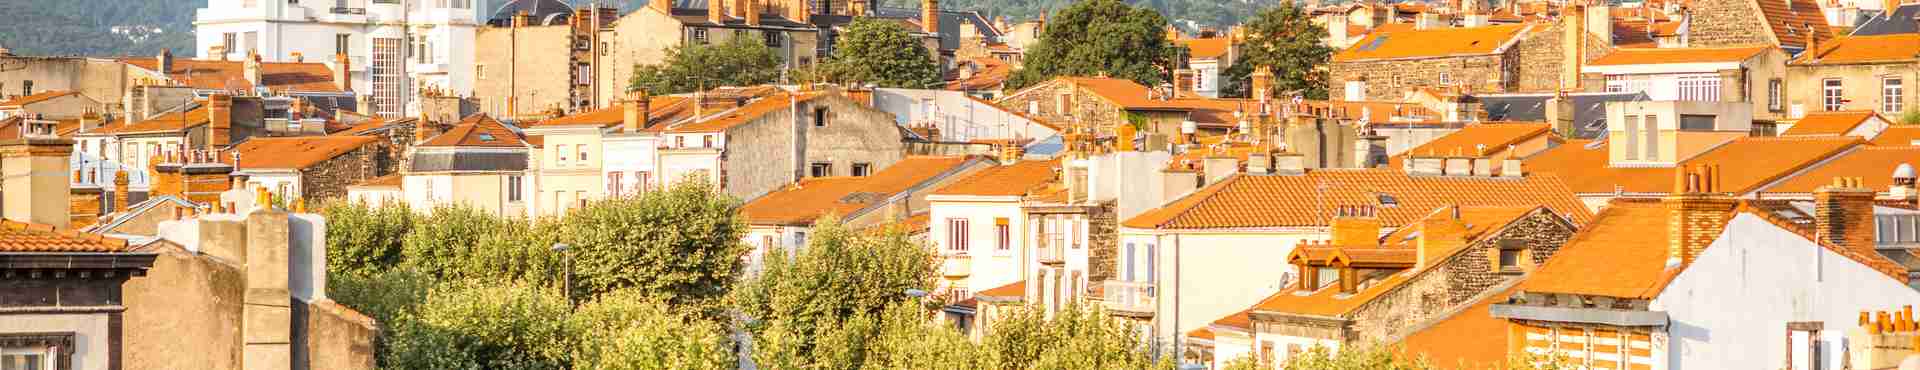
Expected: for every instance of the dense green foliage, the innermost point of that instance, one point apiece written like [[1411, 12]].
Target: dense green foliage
[[1285, 39], [839, 274], [882, 53], [1096, 37], [87, 27], [739, 61], [680, 246], [624, 331]]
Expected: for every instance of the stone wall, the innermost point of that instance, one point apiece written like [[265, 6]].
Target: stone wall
[[760, 156], [1043, 101], [1103, 243], [1719, 23], [336, 337], [1860, 84], [1456, 280], [1390, 80], [1537, 59], [184, 296], [329, 179]]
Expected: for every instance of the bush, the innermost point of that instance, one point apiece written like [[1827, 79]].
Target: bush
[[480, 325], [624, 331], [839, 275], [362, 239], [680, 246]]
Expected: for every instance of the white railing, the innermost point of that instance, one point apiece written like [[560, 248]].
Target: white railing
[[956, 266], [1129, 296], [1052, 250]]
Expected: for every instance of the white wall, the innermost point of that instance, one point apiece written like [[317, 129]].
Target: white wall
[[1134, 178], [628, 155], [1729, 310], [959, 118], [1204, 276], [1229, 346], [991, 268]]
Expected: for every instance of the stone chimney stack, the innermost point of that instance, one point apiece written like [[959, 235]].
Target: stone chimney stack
[[1183, 83], [752, 12], [343, 72], [1572, 44], [1262, 88], [266, 309], [1843, 214], [717, 11], [165, 61], [664, 6], [1697, 211], [1440, 232], [120, 189], [930, 16], [639, 111], [36, 189], [1813, 43], [422, 128], [1355, 226], [252, 66], [219, 120]]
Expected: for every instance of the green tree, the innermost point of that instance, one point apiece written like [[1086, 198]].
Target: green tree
[[1100, 36], [838, 280], [1076, 337], [739, 61], [624, 330], [363, 239], [1355, 358], [1285, 39], [485, 325], [460, 242], [680, 246], [883, 53]]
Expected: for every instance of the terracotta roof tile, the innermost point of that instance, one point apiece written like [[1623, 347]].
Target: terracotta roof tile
[[663, 109], [1874, 166], [35, 98], [802, 203], [1014, 292], [479, 130], [295, 152], [1897, 136], [363, 127], [1015, 179], [1431, 43], [1201, 334], [164, 122], [992, 74], [1900, 47], [21, 237], [1398, 250], [1623, 253], [1482, 140], [1748, 163], [1790, 21], [1212, 47], [1829, 123], [231, 75], [1470, 337], [1632, 56], [745, 114], [388, 181], [1306, 200]]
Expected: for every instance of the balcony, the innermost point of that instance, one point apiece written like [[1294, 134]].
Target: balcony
[[1129, 298], [349, 11], [956, 266], [1052, 251]]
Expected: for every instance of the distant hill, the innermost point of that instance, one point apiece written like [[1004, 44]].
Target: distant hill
[[143, 27], [97, 27]]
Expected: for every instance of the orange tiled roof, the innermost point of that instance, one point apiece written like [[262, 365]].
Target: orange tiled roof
[[231, 75], [662, 109], [1790, 21], [1202, 333], [1482, 140], [19, 237], [1015, 179], [1829, 123], [1897, 136], [745, 114], [1480, 222], [1212, 47], [1010, 292], [363, 127], [1470, 337], [1431, 43], [35, 98], [1872, 164], [478, 130], [806, 201], [164, 122], [1748, 163], [1623, 253], [10, 129], [1632, 56], [992, 74], [1192, 160], [1307, 200], [296, 152], [1900, 47]]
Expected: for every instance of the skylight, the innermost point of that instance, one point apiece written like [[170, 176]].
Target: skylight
[[486, 137]]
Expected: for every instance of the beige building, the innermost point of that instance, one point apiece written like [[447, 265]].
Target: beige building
[[1855, 73], [645, 36], [1753, 74], [479, 163]]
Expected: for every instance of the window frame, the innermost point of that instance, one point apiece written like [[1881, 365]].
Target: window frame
[[862, 169], [1774, 92], [1833, 94], [514, 183], [820, 169], [957, 229], [1892, 95], [1003, 235]]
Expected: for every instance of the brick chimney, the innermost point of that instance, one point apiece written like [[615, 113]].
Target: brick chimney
[[930, 16], [252, 67], [120, 189], [165, 61], [1355, 227], [219, 120], [1697, 212], [1813, 43], [422, 128], [1183, 83], [1843, 214], [639, 111], [798, 11], [664, 6], [752, 10], [342, 72], [37, 186], [717, 11], [1262, 81], [522, 19], [1010, 153], [1440, 232]]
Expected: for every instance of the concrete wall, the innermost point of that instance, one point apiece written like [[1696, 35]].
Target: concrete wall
[[1860, 86], [528, 65], [638, 38], [99, 79], [1730, 308], [484, 191], [1204, 276], [185, 295], [1131, 179], [991, 267], [1731, 120], [960, 118]]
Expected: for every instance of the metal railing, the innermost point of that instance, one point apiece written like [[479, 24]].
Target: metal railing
[[1135, 297], [353, 11]]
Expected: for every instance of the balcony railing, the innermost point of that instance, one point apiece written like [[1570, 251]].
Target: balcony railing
[[349, 11], [1053, 251], [956, 266], [1133, 298]]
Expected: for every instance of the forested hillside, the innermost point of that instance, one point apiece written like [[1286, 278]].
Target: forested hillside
[[97, 27]]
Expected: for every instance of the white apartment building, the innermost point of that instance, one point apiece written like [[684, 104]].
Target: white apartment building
[[391, 46]]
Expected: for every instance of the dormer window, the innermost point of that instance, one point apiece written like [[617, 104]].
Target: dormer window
[[1510, 256]]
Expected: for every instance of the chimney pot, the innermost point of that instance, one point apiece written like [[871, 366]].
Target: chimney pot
[[220, 120]]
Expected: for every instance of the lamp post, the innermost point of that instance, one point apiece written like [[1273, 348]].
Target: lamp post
[[566, 277]]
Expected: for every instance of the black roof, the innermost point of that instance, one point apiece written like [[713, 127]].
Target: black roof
[[1589, 109], [463, 160], [544, 12], [1901, 22], [699, 16]]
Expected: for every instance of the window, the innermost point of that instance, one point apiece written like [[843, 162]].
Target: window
[[583, 74], [1445, 79], [342, 43], [1830, 97], [679, 141], [1509, 259], [1266, 354], [773, 39], [1773, 95], [513, 188], [820, 169], [766, 241], [480, 71], [1650, 137], [1700, 88], [1633, 137], [706, 141], [1128, 266], [583, 154], [1150, 264], [1509, 255], [957, 235], [35, 357], [560, 151], [1696, 122], [26, 88], [862, 169], [580, 199], [641, 179], [228, 41], [429, 189], [613, 183], [820, 117], [1003, 237], [422, 51], [1326, 276], [699, 35], [1891, 95]]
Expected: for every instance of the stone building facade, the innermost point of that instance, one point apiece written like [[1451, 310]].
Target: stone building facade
[[778, 148], [1063, 101], [329, 179], [1533, 60]]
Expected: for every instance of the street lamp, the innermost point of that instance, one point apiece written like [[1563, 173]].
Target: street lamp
[[566, 277]]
